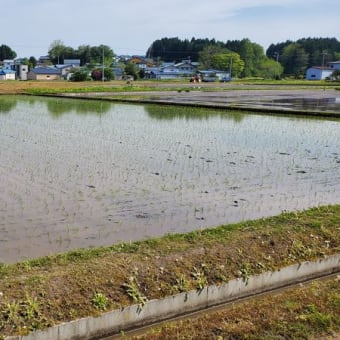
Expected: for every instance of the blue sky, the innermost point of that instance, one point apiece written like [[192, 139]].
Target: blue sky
[[130, 26]]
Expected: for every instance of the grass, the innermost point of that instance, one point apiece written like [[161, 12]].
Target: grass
[[58, 87], [307, 312], [38, 293]]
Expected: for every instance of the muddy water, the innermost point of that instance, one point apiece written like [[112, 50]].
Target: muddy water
[[79, 174]]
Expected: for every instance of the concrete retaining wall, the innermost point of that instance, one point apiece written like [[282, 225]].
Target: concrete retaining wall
[[176, 305]]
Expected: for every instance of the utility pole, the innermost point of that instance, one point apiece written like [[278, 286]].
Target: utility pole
[[103, 67], [276, 55], [324, 53]]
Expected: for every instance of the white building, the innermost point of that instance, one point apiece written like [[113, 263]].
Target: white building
[[22, 71], [6, 74], [8, 64], [335, 65], [319, 73], [172, 70]]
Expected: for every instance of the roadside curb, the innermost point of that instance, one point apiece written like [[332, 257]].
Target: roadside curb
[[176, 305]]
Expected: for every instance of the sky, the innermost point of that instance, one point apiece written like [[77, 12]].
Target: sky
[[129, 27]]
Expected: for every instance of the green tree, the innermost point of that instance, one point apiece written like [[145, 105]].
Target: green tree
[[320, 50], [131, 69], [275, 49], [228, 60], [32, 62], [108, 74], [336, 75], [252, 54], [79, 75], [269, 69], [56, 51], [98, 52], [175, 49], [207, 54], [84, 54], [6, 53], [294, 59], [141, 74], [87, 54]]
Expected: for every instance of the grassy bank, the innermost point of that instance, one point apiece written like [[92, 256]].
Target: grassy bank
[[57, 87], [308, 312], [42, 292]]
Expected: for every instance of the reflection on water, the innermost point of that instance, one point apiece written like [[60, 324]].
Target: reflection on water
[[314, 104], [55, 106], [171, 113], [7, 104], [123, 172], [59, 107]]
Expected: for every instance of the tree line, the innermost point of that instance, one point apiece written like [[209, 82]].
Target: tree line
[[248, 59], [243, 58], [87, 54], [58, 52]]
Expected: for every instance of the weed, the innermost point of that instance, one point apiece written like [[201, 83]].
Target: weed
[[315, 225], [133, 290], [35, 280], [200, 278], [2, 269], [26, 265], [100, 301], [181, 284], [11, 312], [73, 313], [318, 320], [30, 307], [299, 250], [245, 272]]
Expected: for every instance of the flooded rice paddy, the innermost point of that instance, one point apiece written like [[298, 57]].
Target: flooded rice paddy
[[77, 173]]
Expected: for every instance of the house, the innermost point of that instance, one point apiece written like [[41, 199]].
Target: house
[[7, 71], [8, 64], [214, 75], [186, 67], [72, 62], [13, 69], [6, 74], [141, 62], [66, 70], [44, 60], [335, 65], [43, 73], [172, 70], [318, 73]]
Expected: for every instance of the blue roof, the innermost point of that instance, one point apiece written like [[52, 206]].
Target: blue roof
[[45, 70], [6, 71]]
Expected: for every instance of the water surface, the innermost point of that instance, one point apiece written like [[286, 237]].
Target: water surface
[[77, 173]]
